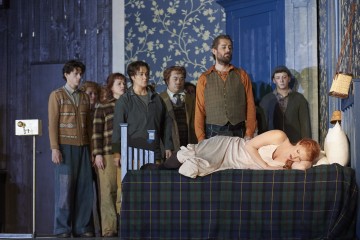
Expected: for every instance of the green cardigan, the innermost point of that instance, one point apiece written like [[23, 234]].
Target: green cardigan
[[295, 122]]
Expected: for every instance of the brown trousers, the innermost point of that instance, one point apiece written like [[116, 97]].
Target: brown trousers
[[108, 195]]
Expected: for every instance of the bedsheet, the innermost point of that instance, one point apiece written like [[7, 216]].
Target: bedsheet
[[319, 203]]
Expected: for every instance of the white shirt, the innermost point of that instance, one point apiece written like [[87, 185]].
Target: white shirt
[[173, 98]]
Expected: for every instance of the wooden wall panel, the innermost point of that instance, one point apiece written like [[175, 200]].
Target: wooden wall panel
[[3, 75], [3, 110], [42, 31]]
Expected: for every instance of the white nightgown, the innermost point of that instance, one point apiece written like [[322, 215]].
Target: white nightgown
[[220, 153]]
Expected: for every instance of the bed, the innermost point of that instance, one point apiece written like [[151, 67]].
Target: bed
[[320, 203]]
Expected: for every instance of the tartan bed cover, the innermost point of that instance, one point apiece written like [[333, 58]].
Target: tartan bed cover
[[319, 203]]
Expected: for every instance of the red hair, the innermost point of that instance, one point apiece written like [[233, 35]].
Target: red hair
[[312, 148]]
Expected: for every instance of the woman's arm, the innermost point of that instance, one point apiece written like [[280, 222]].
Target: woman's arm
[[275, 137], [302, 165]]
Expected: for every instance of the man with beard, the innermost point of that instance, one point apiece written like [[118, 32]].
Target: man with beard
[[224, 98]]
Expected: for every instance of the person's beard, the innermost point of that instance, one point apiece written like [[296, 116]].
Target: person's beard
[[224, 60]]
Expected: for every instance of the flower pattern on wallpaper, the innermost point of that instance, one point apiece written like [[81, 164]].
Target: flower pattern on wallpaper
[[172, 32]]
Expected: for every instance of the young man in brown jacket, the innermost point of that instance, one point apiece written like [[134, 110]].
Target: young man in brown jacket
[[69, 125], [180, 106]]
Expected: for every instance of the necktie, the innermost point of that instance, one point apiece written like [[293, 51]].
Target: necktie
[[178, 99]]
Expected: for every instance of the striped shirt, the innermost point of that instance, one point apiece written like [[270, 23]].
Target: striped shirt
[[103, 129]]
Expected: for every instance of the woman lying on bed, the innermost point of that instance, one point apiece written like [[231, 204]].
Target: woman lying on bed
[[271, 150]]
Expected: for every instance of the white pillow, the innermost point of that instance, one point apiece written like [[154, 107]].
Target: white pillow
[[336, 146], [321, 159]]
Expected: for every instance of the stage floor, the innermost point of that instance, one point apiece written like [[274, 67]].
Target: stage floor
[[30, 236]]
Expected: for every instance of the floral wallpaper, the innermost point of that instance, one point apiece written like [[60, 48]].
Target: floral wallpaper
[[172, 32]]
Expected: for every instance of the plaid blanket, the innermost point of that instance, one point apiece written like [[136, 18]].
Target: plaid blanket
[[319, 203]]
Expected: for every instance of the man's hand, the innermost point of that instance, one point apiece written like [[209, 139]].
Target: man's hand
[[168, 154], [56, 156]]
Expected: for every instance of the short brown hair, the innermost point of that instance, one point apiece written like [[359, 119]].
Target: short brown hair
[[216, 41], [71, 65], [107, 93], [135, 66], [169, 70], [281, 69]]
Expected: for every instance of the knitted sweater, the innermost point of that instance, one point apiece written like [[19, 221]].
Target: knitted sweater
[[68, 123]]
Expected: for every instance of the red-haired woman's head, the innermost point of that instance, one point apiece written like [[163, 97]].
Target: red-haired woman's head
[[312, 148]]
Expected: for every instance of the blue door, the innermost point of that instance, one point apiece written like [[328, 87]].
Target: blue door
[[257, 28]]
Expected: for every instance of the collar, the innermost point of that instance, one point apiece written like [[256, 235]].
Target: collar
[[171, 94], [281, 96], [70, 90], [213, 69], [131, 92]]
